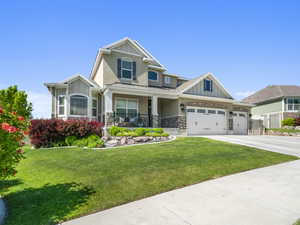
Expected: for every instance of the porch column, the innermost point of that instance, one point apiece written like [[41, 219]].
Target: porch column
[[108, 108], [155, 122]]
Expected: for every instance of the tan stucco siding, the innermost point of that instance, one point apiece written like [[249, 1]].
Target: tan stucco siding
[[99, 74], [110, 70], [168, 107], [198, 89], [267, 108]]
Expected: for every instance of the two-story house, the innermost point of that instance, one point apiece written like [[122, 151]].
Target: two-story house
[[275, 103], [129, 87]]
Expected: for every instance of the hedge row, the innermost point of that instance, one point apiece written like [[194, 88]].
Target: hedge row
[[48, 132]]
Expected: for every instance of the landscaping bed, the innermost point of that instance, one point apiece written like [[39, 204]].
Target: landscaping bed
[[60, 184], [283, 132]]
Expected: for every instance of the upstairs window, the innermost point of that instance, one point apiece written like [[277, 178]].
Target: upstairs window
[[61, 105], [167, 80], [152, 75], [208, 85], [126, 69], [78, 105]]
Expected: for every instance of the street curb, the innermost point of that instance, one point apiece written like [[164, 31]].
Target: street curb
[[2, 211]]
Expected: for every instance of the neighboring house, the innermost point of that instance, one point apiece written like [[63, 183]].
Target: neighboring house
[[275, 103], [130, 87]]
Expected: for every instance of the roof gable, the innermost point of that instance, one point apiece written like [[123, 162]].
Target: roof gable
[[195, 87], [132, 46]]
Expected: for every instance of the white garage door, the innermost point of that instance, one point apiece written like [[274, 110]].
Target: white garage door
[[206, 121], [240, 123]]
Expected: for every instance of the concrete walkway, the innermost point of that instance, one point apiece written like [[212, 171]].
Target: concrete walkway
[[266, 196], [281, 144]]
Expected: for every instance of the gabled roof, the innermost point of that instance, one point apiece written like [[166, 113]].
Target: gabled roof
[[146, 54], [74, 77], [272, 92], [189, 84]]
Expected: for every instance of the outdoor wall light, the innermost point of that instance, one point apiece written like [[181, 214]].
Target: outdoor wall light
[[182, 107]]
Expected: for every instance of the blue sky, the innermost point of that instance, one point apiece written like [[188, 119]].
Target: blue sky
[[246, 44]]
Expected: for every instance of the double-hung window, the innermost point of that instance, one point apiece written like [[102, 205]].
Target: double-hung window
[[208, 85], [167, 80], [94, 107], [126, 108], [292, 104], [152, 75], [126, 69], [61, 105], [78, 105]]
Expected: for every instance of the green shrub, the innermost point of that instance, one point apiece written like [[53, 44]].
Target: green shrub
[[114, 130], [59, 144], [94, 141], [70, 140], [165, 135], [128, 134], [140, 131], [157, 130], [288, 122], [153, 134], [81, 142]]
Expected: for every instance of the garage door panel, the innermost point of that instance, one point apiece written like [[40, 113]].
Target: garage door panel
[[205, 123]]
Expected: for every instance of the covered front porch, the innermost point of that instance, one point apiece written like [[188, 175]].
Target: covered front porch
[[129, 110]]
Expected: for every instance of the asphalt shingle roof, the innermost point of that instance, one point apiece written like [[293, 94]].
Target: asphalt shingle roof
[[273, 92]]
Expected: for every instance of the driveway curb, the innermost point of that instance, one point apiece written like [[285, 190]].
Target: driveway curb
[[2, 211]]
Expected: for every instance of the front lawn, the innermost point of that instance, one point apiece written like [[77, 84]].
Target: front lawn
[[57, 185]]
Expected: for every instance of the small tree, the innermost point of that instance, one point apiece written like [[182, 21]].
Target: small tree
[[15, 111], [12, 131], [13, 100]]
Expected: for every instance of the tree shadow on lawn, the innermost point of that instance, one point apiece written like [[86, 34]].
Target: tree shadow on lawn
[[46, 205]]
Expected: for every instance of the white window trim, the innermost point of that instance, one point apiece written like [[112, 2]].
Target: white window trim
[[156, 76], [126, 99], [58, 105], [94, 98], [210, 81], [131, 70], [72, 115], [167, 78], [286, 104]]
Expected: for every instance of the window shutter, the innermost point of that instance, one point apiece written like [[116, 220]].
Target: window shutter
[[134, 70], [119, 68], [211, 85]]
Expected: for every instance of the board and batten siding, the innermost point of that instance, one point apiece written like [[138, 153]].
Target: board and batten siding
[[198, 89], [267, 108]]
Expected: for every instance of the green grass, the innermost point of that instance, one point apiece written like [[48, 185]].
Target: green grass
[[282, 130], [60, 184]]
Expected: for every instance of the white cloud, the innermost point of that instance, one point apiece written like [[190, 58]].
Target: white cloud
[[41, 104], [244, 94]]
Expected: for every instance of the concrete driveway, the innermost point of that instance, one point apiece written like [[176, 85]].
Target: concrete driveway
[[266, 196], [281, 144]]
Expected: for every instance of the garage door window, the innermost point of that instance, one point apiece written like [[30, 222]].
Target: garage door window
[[201, 111], [242, 115], [212, 111], [221, 113], [190, 110]]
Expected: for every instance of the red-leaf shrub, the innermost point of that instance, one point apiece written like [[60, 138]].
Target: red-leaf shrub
[[45, 133]]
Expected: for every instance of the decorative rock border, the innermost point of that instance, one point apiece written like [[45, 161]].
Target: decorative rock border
[[278, 133], [129, 140], [2, 211]]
